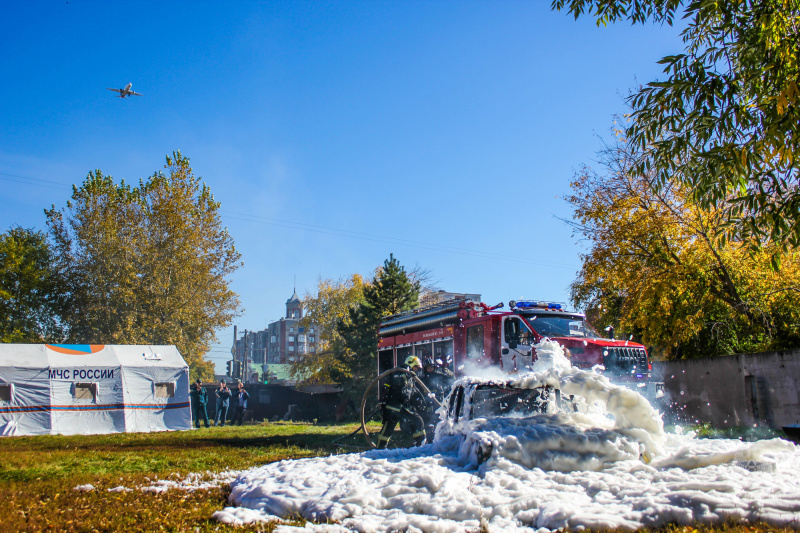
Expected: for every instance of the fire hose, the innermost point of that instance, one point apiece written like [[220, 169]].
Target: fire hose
[[417, 383]]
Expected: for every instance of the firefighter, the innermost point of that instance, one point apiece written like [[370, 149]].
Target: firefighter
[[438, 379], [400, 395]]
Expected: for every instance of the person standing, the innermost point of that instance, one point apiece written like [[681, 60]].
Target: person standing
[[399, 393], [223, 394], [241, 404], [199, 398]]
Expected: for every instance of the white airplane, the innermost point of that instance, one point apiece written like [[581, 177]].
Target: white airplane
[[126, 91]]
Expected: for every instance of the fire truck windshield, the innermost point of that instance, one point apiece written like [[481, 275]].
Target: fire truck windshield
[[561, 326]]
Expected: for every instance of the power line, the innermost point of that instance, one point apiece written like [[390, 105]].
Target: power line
[[385, 239], [325, 230], [35, 181]]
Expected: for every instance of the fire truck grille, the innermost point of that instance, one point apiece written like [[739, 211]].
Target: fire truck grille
[[625, 359]]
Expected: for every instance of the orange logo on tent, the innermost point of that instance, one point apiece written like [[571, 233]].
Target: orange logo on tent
[[76, 349]]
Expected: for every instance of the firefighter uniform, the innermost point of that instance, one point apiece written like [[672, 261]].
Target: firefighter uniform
[[438, 380], [399, 393]]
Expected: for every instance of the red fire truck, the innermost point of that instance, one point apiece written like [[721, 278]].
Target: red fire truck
[[464, 333]]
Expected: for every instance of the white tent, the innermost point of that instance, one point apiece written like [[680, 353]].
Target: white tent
[[82, 389]]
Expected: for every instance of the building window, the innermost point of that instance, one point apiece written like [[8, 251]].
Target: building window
[[291, 338], [291, 348], [311, 330], [301, 338], [273, 339], [312, 338], [312, 350], [85, 391], [301, 330], [6, 392], [165, 390], [291, 330]]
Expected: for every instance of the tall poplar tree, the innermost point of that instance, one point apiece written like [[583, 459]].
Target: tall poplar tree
[[147, 264]]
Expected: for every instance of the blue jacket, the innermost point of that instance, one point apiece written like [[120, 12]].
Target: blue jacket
[[223, 397]]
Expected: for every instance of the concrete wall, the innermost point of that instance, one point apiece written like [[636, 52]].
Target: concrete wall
[[736, 390], [268, 401]]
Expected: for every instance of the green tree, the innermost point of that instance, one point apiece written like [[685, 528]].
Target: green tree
[[148, 264], [390, 292], [726, 121], [654, 270], [31, 289]]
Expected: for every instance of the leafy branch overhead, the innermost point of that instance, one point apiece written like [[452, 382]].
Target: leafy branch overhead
[[725, 123]]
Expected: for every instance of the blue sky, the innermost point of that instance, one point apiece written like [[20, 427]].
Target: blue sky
[[333, 133]]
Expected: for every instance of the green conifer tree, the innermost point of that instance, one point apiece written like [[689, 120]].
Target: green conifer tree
[[391, 292]]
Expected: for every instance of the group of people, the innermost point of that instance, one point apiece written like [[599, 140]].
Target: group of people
[[404, 403], [199, 397]]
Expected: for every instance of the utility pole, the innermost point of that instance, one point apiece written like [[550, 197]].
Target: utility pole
[[244, 363], [234, 352]]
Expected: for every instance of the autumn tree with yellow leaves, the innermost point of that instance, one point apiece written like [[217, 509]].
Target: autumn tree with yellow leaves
[[146, 265], [326, 309], [657, 268]]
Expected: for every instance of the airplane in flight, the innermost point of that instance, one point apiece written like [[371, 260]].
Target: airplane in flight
[[126, 91]]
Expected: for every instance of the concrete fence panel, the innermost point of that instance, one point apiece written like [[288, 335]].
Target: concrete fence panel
[[737, 390]]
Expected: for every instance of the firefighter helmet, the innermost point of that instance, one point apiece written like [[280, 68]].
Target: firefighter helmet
[[412, 361]]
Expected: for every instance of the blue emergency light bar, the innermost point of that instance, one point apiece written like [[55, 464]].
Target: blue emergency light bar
[[534, 304]]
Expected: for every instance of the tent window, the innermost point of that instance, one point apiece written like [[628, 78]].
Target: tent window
[[165, 390], [85, 391], [6, 392]]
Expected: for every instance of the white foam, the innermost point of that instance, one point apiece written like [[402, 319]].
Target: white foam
[[609, 465]]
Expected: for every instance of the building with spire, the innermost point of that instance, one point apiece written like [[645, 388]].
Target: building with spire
[[270, 352]]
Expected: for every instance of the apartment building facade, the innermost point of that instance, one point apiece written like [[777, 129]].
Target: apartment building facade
[[277, 346]]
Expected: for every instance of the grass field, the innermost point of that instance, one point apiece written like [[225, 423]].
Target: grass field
[[38, 476]]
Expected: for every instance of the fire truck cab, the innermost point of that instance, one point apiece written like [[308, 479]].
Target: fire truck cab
[[465, 334]]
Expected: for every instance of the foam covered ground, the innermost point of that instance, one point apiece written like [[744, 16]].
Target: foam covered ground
[[609, 465]]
